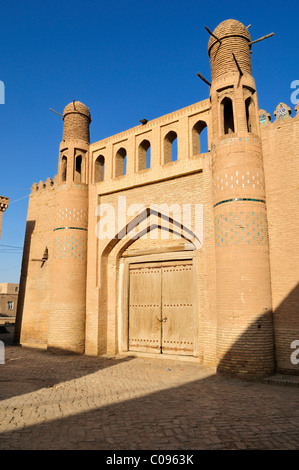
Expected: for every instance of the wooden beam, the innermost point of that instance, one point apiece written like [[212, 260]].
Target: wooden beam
[[261, 39], [212, 34], [55, 112], [203, 79], [239, 68]]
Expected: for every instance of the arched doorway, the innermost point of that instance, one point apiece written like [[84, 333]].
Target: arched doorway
[[151, 301]]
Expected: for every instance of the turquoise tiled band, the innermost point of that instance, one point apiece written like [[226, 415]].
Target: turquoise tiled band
[[70, 228], [239, 199]]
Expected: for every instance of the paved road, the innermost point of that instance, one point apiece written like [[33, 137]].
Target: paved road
[[51, 401]]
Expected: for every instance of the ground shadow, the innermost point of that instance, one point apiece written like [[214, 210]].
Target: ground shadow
[[212, 412], [27, 369]]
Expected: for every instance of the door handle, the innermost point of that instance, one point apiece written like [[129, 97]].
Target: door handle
[[163, 319]]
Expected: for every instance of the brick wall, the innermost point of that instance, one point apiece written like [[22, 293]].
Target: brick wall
[[281, 156], [34, 294]]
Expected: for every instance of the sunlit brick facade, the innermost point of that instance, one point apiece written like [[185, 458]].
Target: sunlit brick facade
[[216, 278]]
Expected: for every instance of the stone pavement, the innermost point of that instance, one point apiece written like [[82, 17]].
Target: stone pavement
[[63, 401]]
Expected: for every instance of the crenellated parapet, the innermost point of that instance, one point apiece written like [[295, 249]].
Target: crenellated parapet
[[282, 114], [264, 117], [43, 186]]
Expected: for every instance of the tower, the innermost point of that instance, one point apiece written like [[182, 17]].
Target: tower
[[245, 344], [69, 249]]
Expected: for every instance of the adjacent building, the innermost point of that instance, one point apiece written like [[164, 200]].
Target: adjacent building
[[8, 299]]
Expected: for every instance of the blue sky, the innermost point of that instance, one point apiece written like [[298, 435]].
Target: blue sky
[[126, 60]]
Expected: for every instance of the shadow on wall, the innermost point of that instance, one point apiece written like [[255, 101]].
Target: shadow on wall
[[253, 354], [30, 225], [286, 331]]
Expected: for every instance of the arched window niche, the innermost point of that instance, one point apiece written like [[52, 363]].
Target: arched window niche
[[121, 162], [199, 138], [63, 168], [228, 125], [170, 147], [144, 156], [99, 169], [78, 169], [250, 114]]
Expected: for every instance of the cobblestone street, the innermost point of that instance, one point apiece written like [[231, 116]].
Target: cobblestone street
[[51, 401]]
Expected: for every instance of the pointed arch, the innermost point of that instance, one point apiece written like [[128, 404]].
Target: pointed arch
[[199, 138], [144, 155], [155, 219], [170, 147], [228, 125], [250, 114], [63, 168], [113, 302], [99, 169], [78, 169], [121, 162]]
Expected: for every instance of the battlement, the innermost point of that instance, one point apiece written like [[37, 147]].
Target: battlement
[[44, 185], [282, 114]]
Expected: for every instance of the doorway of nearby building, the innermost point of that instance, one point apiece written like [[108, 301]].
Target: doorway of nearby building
[[161, 307]]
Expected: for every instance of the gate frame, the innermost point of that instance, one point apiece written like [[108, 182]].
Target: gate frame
[[112, 280], [123, 289]]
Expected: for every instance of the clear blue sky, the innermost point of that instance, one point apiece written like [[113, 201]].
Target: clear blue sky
[[126, 60]]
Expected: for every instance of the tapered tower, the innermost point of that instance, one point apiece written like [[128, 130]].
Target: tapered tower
[[245, 344], [68, 273]]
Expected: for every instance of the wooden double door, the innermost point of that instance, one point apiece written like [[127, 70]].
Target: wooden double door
[[161, 307]]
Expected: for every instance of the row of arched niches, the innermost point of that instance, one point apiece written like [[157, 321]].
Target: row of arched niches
[[169, 150], [199, 140]]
